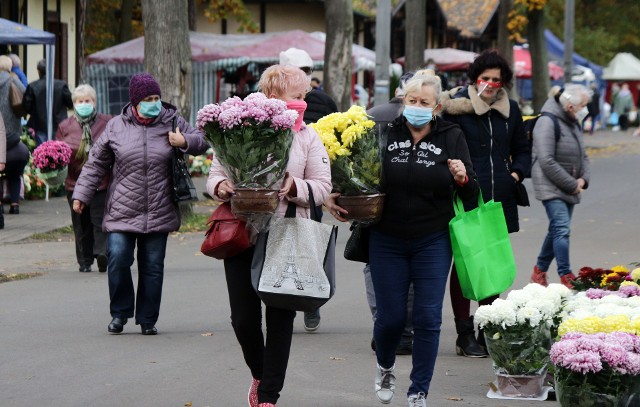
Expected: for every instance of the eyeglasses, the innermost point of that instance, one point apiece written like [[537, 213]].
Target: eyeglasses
[[306, 69]]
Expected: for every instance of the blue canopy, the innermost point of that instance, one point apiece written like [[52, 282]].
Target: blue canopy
[[18, 34], [555, 48]]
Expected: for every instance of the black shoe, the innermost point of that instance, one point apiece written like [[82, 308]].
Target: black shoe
[[102, 263], [85, 269], [1, 216], [148, 329], [312, 320], [466, 344], [404, 348], [14, 210], [116, 325]]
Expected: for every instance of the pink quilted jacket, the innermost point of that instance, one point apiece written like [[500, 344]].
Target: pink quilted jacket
[[308, 163]]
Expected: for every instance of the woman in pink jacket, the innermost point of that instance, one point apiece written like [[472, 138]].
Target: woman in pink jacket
[[308, 164]]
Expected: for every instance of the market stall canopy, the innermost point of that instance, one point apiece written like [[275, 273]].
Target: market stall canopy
[[555, 49], [235, 50], [623, 67], [12, 33], [522, 63], [447, 59]]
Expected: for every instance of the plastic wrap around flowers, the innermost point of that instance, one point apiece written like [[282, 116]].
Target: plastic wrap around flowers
[[597, 369], [51, 156], [251, 138], [353, 148]]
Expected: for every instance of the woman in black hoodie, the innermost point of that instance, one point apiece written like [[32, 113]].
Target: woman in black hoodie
[[425, 160]]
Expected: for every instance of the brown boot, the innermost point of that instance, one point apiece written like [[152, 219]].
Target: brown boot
[[540, 277], [567, 279]]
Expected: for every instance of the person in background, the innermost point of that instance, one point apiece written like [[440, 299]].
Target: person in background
[[425, 160], [308, 165], [623, 104], [501, 157], [35, 103], [316, 84], [16, 69], [16, 154], [594, 108], [560, 173], [136, 150], [319, 104], [80, 132], [383, 115]]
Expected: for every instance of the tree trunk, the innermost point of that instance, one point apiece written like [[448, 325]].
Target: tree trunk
[[82, 19], [539, 59], [192, 15], [168, 57], [415, 34], [337, 51], [126, 15], [505, 45]]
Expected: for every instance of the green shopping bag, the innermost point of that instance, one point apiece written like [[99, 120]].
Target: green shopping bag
[[481, 249]]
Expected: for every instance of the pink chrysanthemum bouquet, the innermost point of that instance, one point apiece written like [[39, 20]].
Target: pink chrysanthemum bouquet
[[251, 138], [51, 155], [598, 369]]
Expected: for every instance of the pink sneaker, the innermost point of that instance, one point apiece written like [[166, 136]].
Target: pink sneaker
[[538, 276], [567, 279], [253, 393]]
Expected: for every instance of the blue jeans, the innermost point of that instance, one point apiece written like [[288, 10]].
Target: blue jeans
[[151, 251], [556, 243], [395, 264]]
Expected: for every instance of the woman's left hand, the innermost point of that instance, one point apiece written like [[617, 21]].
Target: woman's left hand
[[176, 139], [458, 170], [288, 187]]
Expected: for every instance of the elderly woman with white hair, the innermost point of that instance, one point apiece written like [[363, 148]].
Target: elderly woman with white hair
[[80, 131], [560, 173], [13, 154]]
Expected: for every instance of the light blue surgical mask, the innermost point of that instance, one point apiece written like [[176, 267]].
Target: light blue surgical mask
[[150, 109], [84, 109], [418, 116]]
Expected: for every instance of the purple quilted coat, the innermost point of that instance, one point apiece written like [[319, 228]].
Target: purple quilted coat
[[139, 197]]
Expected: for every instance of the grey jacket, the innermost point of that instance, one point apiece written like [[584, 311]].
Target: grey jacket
[[11, 121], [557, 166], [139, 197]]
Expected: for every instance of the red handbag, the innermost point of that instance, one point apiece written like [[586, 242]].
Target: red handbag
[[226, 235]]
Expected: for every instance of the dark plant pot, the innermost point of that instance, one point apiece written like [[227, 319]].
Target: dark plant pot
[[362, 208], [247, 201]]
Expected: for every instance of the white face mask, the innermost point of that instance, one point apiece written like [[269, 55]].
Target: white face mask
[[581, 114]]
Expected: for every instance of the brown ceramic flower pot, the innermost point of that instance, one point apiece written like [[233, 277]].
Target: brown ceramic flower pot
[[254, 200], [362, 208]]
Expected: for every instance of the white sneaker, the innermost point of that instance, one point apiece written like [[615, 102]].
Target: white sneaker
[[385, 384], [417, 400]]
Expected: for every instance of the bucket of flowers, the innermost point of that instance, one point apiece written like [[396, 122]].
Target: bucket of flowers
[[356, 166], [251, 139], [606, 279], [600, 369], [51, 158], [517, 331]]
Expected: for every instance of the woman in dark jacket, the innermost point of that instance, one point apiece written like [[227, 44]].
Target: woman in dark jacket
[[425, 160], [80, 132], [501, 157], [136, 149]]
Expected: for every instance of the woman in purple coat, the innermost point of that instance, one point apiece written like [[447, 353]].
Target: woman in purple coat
[[136, 149]]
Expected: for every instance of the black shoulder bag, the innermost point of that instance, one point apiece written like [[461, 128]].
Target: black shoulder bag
[[183, 187]]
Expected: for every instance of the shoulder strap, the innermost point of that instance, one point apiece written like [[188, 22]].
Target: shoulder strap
[[313, 208], [556, 124]]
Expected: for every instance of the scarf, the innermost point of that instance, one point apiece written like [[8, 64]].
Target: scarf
[[145, 121], [87, 137]]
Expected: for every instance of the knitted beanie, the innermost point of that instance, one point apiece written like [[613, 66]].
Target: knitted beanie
[[141, 86]]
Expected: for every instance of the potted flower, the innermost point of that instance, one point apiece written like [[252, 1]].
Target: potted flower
[[605, 279], [356, 167], [51, 158], [251, 139], [597, 369], [517, 331]]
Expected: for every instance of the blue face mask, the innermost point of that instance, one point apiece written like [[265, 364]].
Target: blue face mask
[[150, 109], [418, 116], [84, 109]]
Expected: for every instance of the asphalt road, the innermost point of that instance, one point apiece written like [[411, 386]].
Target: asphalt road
[[55, 351]]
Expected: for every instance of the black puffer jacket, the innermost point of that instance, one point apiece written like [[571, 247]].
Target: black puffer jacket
[[494, 134], [319, 104], [417, 181]]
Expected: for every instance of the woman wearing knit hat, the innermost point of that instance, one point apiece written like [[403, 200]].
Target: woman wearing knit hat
[[137, 148]]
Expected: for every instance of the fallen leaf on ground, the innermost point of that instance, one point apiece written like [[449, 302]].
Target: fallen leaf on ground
[[207, 334]]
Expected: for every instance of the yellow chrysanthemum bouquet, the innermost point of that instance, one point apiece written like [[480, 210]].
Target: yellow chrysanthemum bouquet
[[356, 166]]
